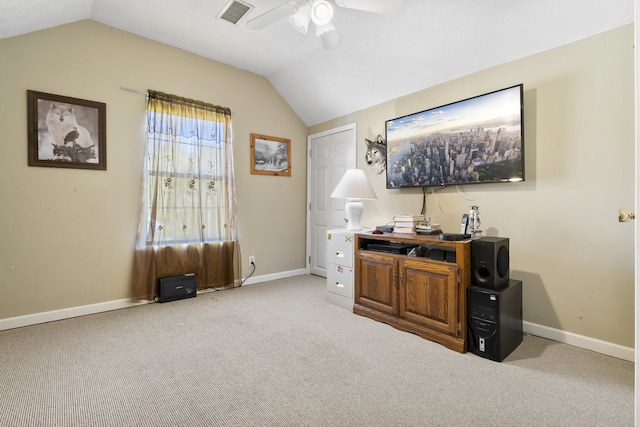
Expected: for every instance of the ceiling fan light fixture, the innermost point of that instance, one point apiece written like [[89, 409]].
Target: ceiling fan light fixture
[[328, 35], [321, 12], [300, 19], [324, 29]]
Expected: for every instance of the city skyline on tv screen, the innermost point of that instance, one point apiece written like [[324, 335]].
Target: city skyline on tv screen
[[476, 140]]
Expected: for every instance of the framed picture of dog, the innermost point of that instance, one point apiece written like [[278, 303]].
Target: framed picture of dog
[[66, 132], [270, 155]]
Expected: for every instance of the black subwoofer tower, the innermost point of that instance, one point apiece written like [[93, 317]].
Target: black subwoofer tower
[[494, 320], [490, 262]]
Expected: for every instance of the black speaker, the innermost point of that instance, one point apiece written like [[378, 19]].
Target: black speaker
[[495, 320], [490, 262]]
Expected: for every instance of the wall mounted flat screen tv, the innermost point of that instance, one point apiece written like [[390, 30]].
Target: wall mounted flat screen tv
[[474, 141]]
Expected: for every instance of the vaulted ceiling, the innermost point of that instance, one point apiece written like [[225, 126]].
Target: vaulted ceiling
[[380, 56]]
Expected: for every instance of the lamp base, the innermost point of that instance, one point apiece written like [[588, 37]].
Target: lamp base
[[353, 208]]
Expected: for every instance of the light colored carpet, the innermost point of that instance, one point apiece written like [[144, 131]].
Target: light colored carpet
[[277, 354]]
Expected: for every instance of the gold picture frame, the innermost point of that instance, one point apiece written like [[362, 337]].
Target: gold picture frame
[[270, 155], [66, 132]]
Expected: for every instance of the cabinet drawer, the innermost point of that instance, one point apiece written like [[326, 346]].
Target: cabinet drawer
[[340, 280], [340, 248]]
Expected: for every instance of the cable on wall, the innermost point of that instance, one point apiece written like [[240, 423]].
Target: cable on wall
[[251, 274], [463, 194], [433, 192]]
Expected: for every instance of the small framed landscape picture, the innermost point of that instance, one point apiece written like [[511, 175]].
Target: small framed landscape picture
[[66, 132], [270, 155]]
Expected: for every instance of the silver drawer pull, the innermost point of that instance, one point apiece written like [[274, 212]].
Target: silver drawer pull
[[339, 285], [340, 254]]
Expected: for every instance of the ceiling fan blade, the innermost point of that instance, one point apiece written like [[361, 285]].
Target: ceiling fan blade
[[271, 16], [377, 6]]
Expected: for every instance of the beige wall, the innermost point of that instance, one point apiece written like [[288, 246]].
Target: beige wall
[[575, 259], [67, 235]]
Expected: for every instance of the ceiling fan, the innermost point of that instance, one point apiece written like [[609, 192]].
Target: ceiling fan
[[319, 12]]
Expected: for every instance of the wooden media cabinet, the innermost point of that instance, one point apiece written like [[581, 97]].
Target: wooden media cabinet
[[423, 293]]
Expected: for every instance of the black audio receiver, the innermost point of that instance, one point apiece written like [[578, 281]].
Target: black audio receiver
[[391, 247]]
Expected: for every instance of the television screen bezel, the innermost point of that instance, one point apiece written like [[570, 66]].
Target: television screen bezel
[[474, 102]]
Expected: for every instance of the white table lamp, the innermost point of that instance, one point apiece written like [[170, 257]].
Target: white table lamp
[[354, 187]]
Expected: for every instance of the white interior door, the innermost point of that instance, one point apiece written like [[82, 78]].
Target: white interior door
[[331, 153]]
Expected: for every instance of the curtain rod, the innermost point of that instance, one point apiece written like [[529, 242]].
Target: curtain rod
[[216, 107], [134, 91]]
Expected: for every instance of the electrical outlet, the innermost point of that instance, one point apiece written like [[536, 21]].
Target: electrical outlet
[[252, 260]]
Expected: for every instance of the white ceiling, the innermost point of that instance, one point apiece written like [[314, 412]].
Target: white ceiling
[[380, 57]]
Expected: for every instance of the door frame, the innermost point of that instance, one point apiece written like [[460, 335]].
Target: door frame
[[636, 207], [351, 126]]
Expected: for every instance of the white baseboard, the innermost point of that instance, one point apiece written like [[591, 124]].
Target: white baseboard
[[65, 313], [274, 276], [68, 313], [603, 347]]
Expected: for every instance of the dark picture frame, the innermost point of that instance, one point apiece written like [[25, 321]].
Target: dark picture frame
[[477, 140], [270, 155], [65, 132]]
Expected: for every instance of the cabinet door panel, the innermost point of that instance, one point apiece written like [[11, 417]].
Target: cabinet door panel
[[376, 285], [429, 294]]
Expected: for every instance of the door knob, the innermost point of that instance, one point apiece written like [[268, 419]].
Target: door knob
[[625, 215]]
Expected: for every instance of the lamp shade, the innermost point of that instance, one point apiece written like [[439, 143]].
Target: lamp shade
[[330, 40], [354, 185], [328, 35], [300, 19]]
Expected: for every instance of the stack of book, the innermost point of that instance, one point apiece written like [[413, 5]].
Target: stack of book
[[406, 223], [426, 227]]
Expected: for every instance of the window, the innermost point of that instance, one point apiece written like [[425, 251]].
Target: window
[[189, 186], [188, 208]]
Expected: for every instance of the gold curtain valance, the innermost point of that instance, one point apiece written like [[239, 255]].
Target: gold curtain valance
[[186, 102]]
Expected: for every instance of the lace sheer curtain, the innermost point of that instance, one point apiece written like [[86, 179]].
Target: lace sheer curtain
[[188, 215]]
